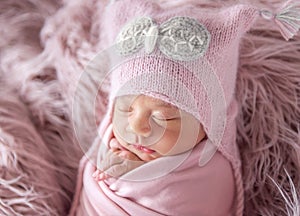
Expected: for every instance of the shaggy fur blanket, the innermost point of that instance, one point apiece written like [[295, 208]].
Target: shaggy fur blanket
[[48, 121]]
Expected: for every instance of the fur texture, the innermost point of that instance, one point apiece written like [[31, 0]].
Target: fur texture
[[47, 119], [41, 60], [28, 175], [268, 89]]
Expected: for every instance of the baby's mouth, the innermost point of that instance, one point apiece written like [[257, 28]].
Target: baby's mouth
[[143, 149]]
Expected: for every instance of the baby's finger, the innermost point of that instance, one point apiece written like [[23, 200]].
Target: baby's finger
[[127, 155], [114, 144], [100, 176], [103, 176], [96, 173]]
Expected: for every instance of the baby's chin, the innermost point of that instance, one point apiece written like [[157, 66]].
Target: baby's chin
[[144, 156], [141, 153]]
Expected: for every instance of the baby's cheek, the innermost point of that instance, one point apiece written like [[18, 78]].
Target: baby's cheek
[[168, 142], [174, 125]]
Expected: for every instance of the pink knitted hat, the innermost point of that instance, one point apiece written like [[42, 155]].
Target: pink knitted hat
[[187, 57], [189, 60]]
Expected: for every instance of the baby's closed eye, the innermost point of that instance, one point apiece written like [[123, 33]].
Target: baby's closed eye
[[166, 117]]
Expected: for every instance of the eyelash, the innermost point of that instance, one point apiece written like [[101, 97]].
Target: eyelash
[[162, 119], [125, 110]]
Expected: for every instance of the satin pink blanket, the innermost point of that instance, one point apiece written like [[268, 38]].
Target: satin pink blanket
[[173, 185]]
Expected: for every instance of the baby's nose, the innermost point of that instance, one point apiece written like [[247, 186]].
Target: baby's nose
[[140, 125]]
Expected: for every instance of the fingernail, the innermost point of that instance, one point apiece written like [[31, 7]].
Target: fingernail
[[95, 173]]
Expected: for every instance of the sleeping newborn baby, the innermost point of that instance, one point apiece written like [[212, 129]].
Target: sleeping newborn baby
[[167, 144], [146, 128]]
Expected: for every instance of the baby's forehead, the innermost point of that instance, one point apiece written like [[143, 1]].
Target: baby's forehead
[[159, 102], [128, 99]]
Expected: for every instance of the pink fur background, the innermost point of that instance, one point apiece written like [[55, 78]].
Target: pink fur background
[[44, 114]]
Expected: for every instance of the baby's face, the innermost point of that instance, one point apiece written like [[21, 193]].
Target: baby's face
[[152, 128]]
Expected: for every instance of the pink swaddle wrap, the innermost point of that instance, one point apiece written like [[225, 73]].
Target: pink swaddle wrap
[[151, 190]]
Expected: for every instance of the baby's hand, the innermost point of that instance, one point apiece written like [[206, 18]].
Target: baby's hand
[[115, 163]]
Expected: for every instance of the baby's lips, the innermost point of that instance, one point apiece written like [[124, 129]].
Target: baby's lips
[[144, 149]]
